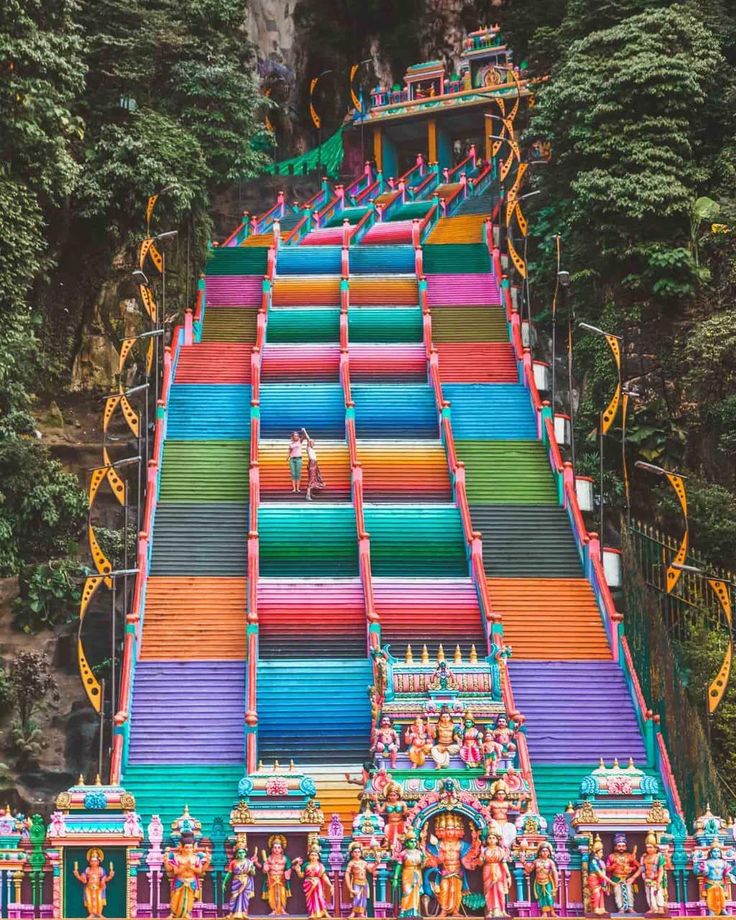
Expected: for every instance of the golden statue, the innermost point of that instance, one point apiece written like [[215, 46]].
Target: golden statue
[[95, 879]]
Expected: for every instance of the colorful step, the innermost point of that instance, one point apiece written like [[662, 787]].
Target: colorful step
[[208, 412], [205, 727], [429, 611], [318, 407], [506, 472], [300, 714], [381, 234], [312, 362], [416, 540], [576, 712], [230, 324], [490, 412], [304, 617], [203, 539], [457, 258], [334, 464], [469, 324], [163, 789], [307, 540], [189, 618], [394, 410], [404, 471], [205, 471], [235, 261], [309, 260], [388, 363], [234, 290], [549, 618], [466, 228], [466, 290], [526, 541], [477, 362], [367, 290], [306, 290], [384, 324], [381, 260], [303, 325], [214, 362]]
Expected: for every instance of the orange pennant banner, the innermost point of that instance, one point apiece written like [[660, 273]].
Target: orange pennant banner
[[131, 416], [312, 110], [125, 348], [111, 404], [355, 100], [116, 483], [148, 302], [97, 477], [519, 263], [149, 209]]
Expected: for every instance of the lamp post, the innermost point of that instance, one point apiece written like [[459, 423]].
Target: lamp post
[[608, 415], [563, 279], [142, 387], [114, 575]]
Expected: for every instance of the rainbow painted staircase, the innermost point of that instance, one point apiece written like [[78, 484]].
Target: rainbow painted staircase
[[260, 609]]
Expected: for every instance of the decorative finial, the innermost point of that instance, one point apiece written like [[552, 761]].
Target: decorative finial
[[473, 654], [601, 764], [291, 766], [569, 810], [458, 656], [276, 766], [409, 658], [80, 781], [260, 766], [425, 655], [615, 763], [631, 764], [440, 653], [98, 781]]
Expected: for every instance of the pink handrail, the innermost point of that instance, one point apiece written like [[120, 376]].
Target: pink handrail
[[470, 158], [243, 225]]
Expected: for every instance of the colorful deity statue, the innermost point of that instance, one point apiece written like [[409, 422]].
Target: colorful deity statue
[[386, 743], [317, 885], [419, 738], [238, 886], [499, 807], [715, 872], [277, 867], [444, 740], [496, 876], [394, 812], [653, 870], [491, 751], [546, 879], [505, 736], [468, 738], [597, 881], [442, 678], [95, 879], [622, 868], [356, 880], [450, 856], [408, 875], [185, 868]]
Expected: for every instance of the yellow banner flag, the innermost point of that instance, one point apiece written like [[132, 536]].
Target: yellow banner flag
[[125, 348], [609, 415], [519, 263], [111, 404], [355, 100], [312, 110], [131, 416], [97, 477], [116, 483], [149, 208], [148, 302]]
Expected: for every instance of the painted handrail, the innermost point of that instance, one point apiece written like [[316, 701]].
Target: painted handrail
[[240, 233], [363, 226], [364, 180], [427, 184], [428, 221], [470, 161]]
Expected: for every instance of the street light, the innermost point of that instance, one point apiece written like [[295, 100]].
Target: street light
[[564, 280], [608, 415]]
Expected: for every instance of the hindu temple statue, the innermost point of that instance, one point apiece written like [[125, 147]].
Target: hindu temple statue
[[394, 812], [408, 876], [95, 879], [444, 739], [450, 856], [622, 868], [419, 739], [653, 870], [505, 736], [185, 867], [317, 885], [597, 881], [491, 751], [496, 875], [468, 737], [277, 867], [386, 743], [499, 807], [546, 880], [356, 880], [714, 870], [238, 886]]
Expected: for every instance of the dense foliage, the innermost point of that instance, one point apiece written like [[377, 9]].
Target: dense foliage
[[101, 105]]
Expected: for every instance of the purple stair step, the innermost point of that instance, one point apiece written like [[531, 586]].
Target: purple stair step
[[188, 712], [576, 712]]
